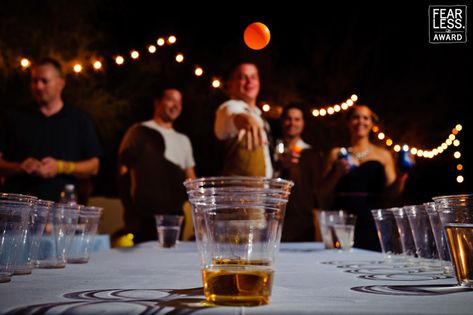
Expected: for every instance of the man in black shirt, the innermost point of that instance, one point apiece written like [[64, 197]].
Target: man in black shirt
[[47, 144]]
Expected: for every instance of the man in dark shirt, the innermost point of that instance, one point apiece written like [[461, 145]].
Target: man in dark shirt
[[299, 162], [47, 144]]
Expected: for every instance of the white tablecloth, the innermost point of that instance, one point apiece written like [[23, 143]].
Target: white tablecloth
[[152, 280]]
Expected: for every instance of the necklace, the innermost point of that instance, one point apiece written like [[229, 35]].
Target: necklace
[[359, 155]]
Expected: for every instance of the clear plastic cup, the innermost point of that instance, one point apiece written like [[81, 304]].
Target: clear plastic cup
[[168, 227], [405, 233], [14, 214], [29, 242], [426, 249], [388, 234], [456, 214], [345, 232], [57, 236], [327, 219], [78, 252], [440, 238], [238, 224]]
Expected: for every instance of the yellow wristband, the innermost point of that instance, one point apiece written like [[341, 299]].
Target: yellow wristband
[[60, 166], [71, 166]]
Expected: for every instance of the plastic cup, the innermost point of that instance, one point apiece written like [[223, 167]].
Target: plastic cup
[[29, 242], [345, 232], [14, 213], [440, 238], [238, 224], [456, 214], [426, 249], [84, 235], [405, 233], [327, 218], [57, 236], [388, 234], [168, 228]]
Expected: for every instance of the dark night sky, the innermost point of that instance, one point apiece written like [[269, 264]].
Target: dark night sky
[[319, 54]]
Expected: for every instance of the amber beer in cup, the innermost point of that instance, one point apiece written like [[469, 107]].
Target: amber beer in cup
[[456, 214], [237, 223]]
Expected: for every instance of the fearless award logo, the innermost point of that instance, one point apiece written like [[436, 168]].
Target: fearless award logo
[[447, 24]]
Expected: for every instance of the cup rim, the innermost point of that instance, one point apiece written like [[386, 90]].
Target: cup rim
[[450, 197], [191, 183]]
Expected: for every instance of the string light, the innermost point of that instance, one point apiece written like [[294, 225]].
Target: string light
[[161, 41], [198, 71], [77, 68], [216, 83], [152, 49], [330, 110], [97, 65], [25, 63], [266, 108], [134, 54], [179, 57], [172, 39], [119, 60]]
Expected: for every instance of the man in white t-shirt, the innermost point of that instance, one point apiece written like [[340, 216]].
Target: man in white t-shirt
[[238, 123], [154, 160]]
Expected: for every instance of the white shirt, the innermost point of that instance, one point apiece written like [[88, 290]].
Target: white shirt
[[225, 127], [177, 146]]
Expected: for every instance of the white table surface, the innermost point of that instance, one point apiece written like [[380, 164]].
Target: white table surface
[[152, 280]]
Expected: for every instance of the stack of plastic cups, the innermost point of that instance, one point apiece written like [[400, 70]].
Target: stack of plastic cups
[[388, 235], [14, 214], [84, 235], [426, 248], [405, 233], [57, 236], [440, 238], [29, 242]]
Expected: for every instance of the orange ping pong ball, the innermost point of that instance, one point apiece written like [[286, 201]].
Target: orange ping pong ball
[[257, 36]]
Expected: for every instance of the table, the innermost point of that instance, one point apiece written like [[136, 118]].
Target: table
[[309, 280]]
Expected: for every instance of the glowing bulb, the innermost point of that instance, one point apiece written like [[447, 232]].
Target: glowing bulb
[[459, 167], [198, 71], [420, 153], [330, 111], [323, 112], [456, 143], [179, 58], [134, 54], [77, 68], [397, 148], [337, 108], [344, 106], [354, 97], [457, 154], [152, 49], [413, 151], [349, 102], [315, 113], [119, 60], [381, 136], [389, 142], [172, 39], [444, 146], [405, 148], [375, 129], [25, 63], [266, 108], [458, 127], [448, 142], [451, 137], [160, 42], [460, 179], [97, 65], [216, 83], [454, 131]]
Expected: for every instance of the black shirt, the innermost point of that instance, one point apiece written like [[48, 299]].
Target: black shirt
[[67, 135]]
